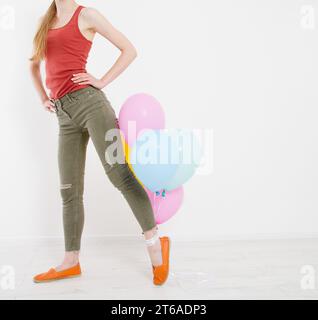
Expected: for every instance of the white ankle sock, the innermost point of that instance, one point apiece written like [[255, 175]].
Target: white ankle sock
[[153, 240], [154, 248]]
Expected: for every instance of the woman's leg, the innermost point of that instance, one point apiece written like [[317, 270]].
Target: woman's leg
[[121, 176], [71, 158]]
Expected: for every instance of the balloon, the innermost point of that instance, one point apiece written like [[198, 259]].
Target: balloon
[[150, 159], [187, 154], [139, 112], [166, 207], [164, 204], [127, 156]]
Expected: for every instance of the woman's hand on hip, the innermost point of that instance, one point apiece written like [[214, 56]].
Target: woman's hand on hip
[[86, 78], [49, 106]]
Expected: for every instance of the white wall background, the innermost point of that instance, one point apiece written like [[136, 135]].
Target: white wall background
[[247, 69]]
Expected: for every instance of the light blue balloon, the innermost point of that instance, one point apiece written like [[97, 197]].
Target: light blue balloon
[[150, 159], [188, 149]]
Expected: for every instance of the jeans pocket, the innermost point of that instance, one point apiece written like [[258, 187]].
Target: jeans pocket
[[62, 114]]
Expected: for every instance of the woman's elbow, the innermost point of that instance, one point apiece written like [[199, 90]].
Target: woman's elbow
[[133, 53], [130, 52], [34, 66]]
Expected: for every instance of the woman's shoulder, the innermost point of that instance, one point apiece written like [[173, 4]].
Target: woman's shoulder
[[91, 17], [89, 13]]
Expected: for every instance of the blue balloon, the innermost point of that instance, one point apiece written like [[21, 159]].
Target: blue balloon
[[187, 155], [151, 159]]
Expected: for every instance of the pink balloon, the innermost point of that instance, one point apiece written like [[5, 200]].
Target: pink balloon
[[165, 208], [140, 111]]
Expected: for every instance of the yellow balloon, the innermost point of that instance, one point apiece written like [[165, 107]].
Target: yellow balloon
[[127, 156]]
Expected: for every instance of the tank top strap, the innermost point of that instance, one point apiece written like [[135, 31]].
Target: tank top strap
[[74, 19]]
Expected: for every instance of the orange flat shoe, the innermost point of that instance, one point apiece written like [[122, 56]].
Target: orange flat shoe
[[160, 273], [53, 275]]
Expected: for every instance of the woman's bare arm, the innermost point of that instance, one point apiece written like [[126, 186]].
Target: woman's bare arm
[[96, 22], [38, 83]]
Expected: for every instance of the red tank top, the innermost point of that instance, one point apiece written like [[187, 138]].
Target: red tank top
[[67, 52]]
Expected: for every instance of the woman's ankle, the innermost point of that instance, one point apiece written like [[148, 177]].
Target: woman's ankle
[[71, 259], [153, 246]]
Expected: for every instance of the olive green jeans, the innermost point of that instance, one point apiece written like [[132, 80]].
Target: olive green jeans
[[84, 114]]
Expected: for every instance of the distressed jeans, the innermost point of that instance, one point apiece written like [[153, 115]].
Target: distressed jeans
[[85, 114]]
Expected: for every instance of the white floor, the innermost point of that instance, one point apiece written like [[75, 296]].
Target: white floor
[[119, 269]]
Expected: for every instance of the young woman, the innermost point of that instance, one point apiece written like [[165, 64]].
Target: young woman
[[63, 41]]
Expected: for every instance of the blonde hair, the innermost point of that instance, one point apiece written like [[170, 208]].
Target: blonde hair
[[39, 41]]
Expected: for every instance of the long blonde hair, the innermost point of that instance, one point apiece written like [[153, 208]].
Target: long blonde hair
[[39, 41]]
